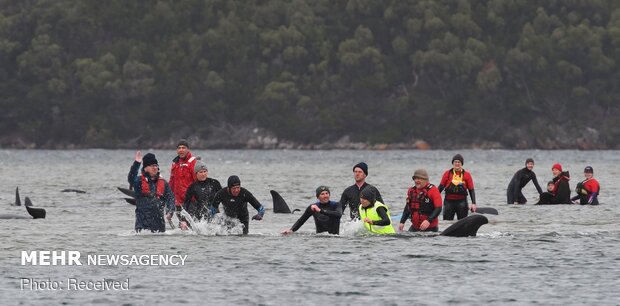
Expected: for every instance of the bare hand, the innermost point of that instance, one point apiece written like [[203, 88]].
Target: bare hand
[[401, 227], [169, 216], [367, 220], [424, 225], [315, 208], [287, 231], [139, 157], [472, 207]]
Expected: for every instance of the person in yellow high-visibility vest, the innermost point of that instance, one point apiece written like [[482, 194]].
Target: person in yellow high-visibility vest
[[374, 214]]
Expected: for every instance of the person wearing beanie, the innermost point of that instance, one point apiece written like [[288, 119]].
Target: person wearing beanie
[[153, 194], [514, 193], [561, 188], [201, 192], [235, 199], [182, 172], [545, 197], [351, 195], [326, 214], [457, 183], [588, 189], [374, 214], [423, 205]]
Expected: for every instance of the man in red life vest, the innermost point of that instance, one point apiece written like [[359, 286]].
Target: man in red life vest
[[182, 173], [423, 205]]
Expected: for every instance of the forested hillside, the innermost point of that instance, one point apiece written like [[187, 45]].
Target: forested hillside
[[498, 73]]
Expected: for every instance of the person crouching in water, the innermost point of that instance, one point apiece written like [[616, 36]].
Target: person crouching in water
[[423, 205], [152, 193], [588, 189], [374, 214], [560, 193], [235, 200], [201, 192], [545, 197], [326, 214]]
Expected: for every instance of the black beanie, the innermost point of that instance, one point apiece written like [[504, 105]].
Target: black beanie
[[363, 166], [149, 159], [320, 189], [233, 180], [458, 157], [529, 160], [368, 194], [183, 142]]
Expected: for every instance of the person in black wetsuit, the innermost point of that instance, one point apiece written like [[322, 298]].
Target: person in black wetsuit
[[235, 200], [351, 196], [326, 214], [519, 180], [201, 192]]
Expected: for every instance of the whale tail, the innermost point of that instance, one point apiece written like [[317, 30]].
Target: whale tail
[[36, 213], [466, 227]]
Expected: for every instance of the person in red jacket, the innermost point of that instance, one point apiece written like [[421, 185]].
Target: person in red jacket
[[182, 173], [458, 183], [423, 205], [588, 189]]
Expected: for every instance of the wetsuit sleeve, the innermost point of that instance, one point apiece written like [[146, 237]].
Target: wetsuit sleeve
[[385, 219], [249, 197], [215, 203], [169, 198], [574, 198], [444, 182], [535, 181], [189, 194], [406, 214], [333, 213], [343, 201], [472, 195], [470, 186], [302, 219], [132, 176], [516, 185], [436, 197]]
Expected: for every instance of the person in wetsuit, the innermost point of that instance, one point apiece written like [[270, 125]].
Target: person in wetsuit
[[374, 214], [201, 192], [588, 189], [423, 205], [457, 183], [514, 193], [351, 195], [561, 188], [326, 214], [235, 201]]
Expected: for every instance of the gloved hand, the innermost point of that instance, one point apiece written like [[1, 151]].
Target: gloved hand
[[257, 217]]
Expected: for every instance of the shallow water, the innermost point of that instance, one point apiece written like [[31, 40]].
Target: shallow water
[[565, 254]]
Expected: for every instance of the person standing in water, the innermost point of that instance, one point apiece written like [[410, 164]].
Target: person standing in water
[[374, 214], [423, 205], [351, 196], [201, 192], [235, 200], [457, 183], [152, 193], [326, 214], [588, 189], [514, 192]]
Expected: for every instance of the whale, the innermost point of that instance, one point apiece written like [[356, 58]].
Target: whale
[[279, 205], [34, 213], [466, 227]]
